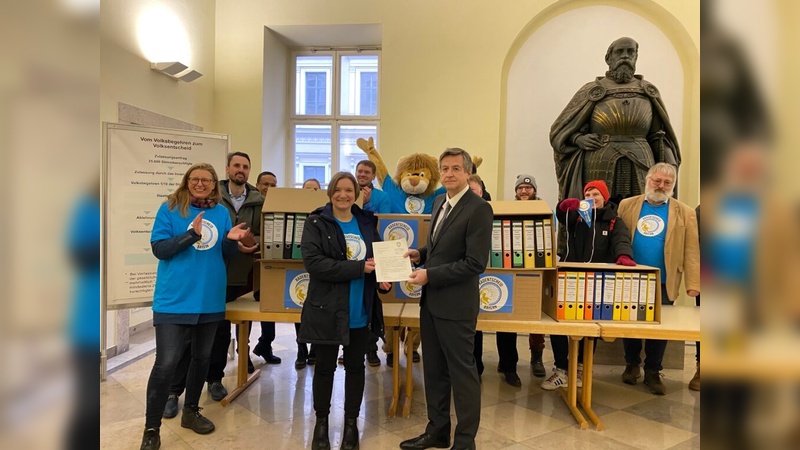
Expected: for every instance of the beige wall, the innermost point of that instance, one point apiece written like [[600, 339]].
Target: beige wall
[[125, 76], [443, 65]]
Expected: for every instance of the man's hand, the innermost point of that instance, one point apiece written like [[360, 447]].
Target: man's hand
[[384, 286], [413, 255], [419, 277], [692, 293], [245, 249], [588, 142]]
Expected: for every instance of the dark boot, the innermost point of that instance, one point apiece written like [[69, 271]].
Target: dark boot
[[350, 435], [536, 364], [320, 441], [192, 419], [302, 356], [151, 439]]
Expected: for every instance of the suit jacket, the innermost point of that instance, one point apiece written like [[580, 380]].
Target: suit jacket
[[682, 244], [456, 259]]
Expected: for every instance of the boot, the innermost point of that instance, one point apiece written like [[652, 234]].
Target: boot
[[151, 439], [350, 435], [536, 364], [320, 441], [302, 356]]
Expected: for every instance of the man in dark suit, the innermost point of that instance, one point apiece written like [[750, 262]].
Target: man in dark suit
[[456, 255]]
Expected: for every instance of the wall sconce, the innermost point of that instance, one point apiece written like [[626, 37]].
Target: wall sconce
[[173, 69]]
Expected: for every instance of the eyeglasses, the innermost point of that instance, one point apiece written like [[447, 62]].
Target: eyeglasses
[[658, 181], [205, 181]]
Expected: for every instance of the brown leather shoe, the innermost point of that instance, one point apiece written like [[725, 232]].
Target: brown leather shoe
[[652, 379], [694, 385], [631, 374]]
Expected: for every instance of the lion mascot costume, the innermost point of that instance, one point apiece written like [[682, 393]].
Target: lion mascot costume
[[413, 187]]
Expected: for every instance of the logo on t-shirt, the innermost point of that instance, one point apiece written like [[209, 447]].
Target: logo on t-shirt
[[493, 293], [414, 205], [209, 237], [650, 225], [356, 248]]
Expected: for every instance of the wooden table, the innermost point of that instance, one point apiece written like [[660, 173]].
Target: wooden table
[[247, 309], [677, 323], [575, 330]]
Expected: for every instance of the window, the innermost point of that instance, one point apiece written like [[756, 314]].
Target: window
[[336, 102], [316, 100]]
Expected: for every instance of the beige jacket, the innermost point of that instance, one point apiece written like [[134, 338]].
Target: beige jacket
[[682, 246]]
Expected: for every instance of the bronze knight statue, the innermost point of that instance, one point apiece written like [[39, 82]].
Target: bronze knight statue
[[614, 129]]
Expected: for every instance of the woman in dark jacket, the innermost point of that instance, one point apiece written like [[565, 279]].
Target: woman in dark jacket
[[341, 307], [607, 240]]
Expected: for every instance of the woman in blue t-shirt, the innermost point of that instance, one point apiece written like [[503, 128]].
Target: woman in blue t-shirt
[[341, 307], [191, 233]]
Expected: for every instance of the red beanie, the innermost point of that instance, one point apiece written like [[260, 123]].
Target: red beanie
[[600, 185]]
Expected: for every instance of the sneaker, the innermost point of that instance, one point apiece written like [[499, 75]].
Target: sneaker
[[192, 419], [580, 376], [390, 359], [631, 374], [557, 379], [415, 356], [341, 359], [652, 379], [217, 391], [151, 440], [373, 360], [694, 385], [171, 408]]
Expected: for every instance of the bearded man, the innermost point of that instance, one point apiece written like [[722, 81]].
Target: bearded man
[[663, 234], [614, 129]]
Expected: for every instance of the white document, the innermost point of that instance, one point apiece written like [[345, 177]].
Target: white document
[[389, 262]]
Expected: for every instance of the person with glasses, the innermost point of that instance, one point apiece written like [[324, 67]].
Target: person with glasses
[[191, 234], [664, 234], [265, 181]]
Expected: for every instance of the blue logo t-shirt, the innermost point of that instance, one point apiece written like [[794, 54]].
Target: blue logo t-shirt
[[356, 251], [651, 236]]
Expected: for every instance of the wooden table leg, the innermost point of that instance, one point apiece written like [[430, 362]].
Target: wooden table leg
[[242, 379], [395, 372], [409, 371], [586, 392], [572, 384]]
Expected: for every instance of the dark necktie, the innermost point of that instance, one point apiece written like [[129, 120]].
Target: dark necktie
[[441, 222]]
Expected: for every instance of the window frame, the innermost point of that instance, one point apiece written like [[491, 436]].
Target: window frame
[[335, 120]]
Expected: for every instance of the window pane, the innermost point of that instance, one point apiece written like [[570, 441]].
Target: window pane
[[359, 95], [313, 78], [312, 150], [349, 153]]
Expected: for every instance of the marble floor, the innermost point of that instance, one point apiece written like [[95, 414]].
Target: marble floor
[[276, 412]]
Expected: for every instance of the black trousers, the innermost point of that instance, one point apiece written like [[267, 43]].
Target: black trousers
[[506, 351], [561, 351], [450, 368], [327, 355], [170, 348], [82, 430]]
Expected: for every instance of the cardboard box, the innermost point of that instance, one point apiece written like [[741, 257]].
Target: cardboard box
[[550, 306], [284, 285], [515, 294], [518, 207], [286, 201]]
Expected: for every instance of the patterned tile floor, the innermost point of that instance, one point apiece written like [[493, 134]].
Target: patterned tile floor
[[277, 409]]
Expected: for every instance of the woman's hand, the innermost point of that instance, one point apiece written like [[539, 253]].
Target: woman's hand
[[384, 286], [197, 224], [369, 266], [238, 232]]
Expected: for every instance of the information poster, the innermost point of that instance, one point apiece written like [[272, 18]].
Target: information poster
[[142, 167]]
